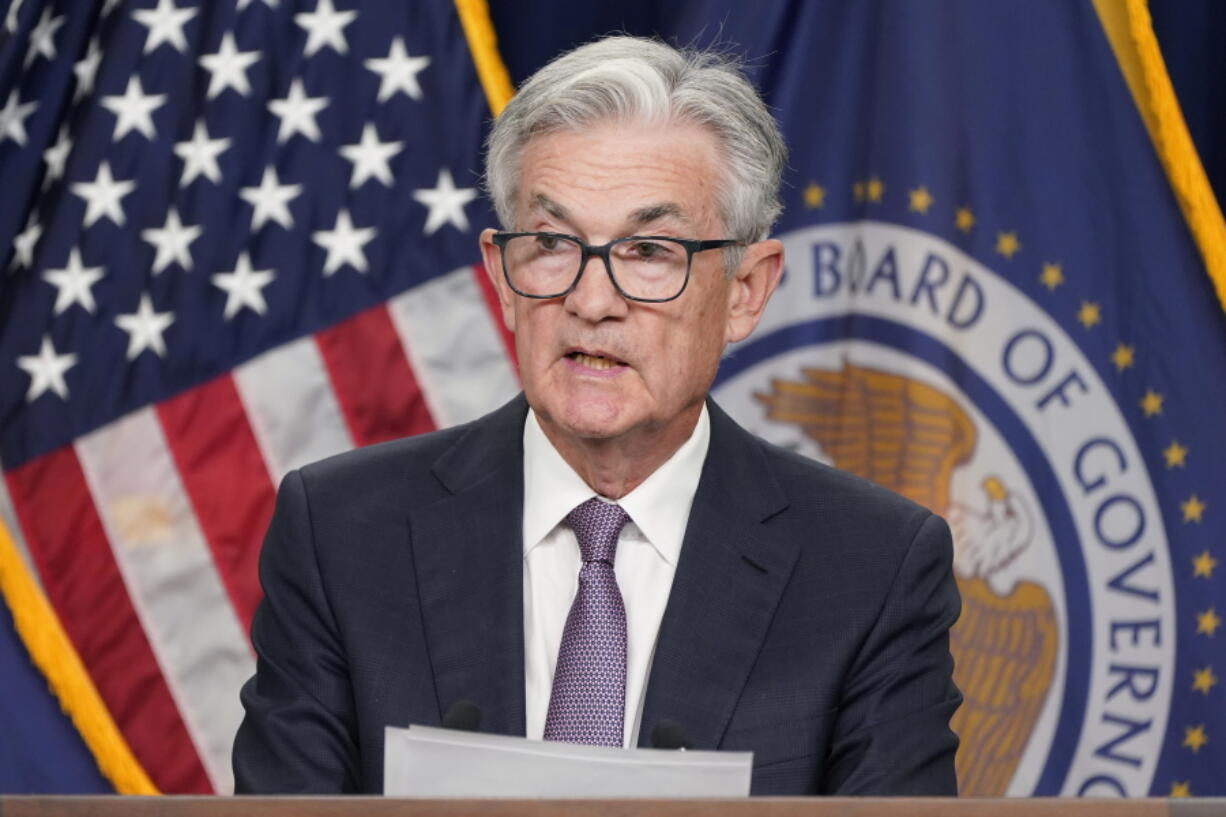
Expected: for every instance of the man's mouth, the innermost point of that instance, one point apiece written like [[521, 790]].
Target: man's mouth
[[594, 361]]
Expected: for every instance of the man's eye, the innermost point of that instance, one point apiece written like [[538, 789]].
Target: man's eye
[[649, 249], [547, 242]]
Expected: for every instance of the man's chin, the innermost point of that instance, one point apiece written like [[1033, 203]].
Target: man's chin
[[591, 428], [586, 420]]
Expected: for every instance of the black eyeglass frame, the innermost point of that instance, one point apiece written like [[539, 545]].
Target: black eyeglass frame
[[691, 245]]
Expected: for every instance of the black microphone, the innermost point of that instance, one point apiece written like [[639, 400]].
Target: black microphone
[[668, 734], [463, 715]]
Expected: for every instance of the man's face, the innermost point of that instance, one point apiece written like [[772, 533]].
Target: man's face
[[594, 365]]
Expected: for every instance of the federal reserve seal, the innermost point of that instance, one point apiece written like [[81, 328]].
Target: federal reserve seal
[[890, 353]]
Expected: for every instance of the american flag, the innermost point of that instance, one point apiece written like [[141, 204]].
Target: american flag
[[237, 236]]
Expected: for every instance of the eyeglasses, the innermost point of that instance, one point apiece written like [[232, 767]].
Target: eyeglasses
[[648, 268]]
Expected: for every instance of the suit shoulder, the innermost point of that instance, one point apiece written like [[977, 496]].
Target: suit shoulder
[[853, 529], [408, 458], [816, 486]]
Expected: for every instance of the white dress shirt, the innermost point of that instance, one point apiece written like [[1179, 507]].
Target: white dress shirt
[[646, 561]]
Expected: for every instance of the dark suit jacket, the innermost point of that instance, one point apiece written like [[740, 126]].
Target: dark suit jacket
[[808, 619]]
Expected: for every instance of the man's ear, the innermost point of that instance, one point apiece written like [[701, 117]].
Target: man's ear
[[751, 287], [492, 257]]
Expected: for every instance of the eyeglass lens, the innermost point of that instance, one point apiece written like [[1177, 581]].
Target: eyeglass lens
[[643, 268]]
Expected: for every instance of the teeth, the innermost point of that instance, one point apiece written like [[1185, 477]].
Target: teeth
[[594, 362]]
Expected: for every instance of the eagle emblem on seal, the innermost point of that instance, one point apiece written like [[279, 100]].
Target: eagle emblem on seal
[[910, 437]]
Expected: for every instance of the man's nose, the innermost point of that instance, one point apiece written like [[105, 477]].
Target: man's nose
[[595, 297]]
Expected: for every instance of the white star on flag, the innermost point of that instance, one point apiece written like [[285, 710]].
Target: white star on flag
[[199, 155], [370, 157], [398, 72], [10, 20], [270, 200], [228, 67], [13, 119], [173, 242], [56, 157], [74, 283], [244, 287], [344, 244], [46, 370], [165, 24], [242, 4], [87, 70], [42, 37], [446, 203], [24, 243], [325, 26], [103, 196], [133, 110], [297, 112], [145, 328]]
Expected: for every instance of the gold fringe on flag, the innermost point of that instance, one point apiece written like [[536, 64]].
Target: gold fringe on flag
[[483, 44], [1130, 31], [39, 628]]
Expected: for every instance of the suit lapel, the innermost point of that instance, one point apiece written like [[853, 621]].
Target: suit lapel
[[729, 578], [468, 559]]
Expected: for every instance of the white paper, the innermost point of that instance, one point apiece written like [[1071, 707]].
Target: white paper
[[422, 761]]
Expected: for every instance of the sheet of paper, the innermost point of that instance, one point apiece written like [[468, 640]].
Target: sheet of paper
[[422, 761]]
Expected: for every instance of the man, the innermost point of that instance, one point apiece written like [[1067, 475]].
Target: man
[[610, 550]]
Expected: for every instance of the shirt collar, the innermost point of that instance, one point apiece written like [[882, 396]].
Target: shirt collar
[[659, 506]]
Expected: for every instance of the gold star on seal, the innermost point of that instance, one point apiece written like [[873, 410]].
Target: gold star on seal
[[1090, 314], [875, 190], [1203, 680], [1007, 244], [1194, 737], [1202, 566], [857, 192], [1176, 455], [815, 196], [1208, 622], [1052, 276], [1151, 403], [921, 200], [1123, 356], [1181, 788], [1193, 509], [964, 219]]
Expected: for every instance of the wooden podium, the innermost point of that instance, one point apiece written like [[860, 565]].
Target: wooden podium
[[757, 807]]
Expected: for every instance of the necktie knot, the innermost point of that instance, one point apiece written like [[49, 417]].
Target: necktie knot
[[597, 524]]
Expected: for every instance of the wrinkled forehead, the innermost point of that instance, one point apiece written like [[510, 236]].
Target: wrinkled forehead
[[642, 173], [654, 213]]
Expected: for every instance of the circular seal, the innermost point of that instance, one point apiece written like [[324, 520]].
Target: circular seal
[[892, 354]]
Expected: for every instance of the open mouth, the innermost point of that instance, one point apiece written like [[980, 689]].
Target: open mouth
[[594, 361]]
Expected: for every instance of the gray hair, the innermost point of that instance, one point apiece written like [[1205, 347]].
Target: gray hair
[[634, 79]]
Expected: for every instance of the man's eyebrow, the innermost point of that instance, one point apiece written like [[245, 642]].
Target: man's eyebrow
[[550, 206], [655, 212]]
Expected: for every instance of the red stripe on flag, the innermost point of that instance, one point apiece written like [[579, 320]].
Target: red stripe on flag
[[227, 479], [373, 381], [83, 583], [495, 307]]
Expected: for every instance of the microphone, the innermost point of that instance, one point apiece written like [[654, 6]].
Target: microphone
[[668, 734], [463, 715]]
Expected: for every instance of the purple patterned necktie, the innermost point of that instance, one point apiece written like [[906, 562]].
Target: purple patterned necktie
[[588, 701]]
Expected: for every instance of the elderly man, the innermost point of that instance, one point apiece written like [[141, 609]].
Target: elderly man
[[610, 550]]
